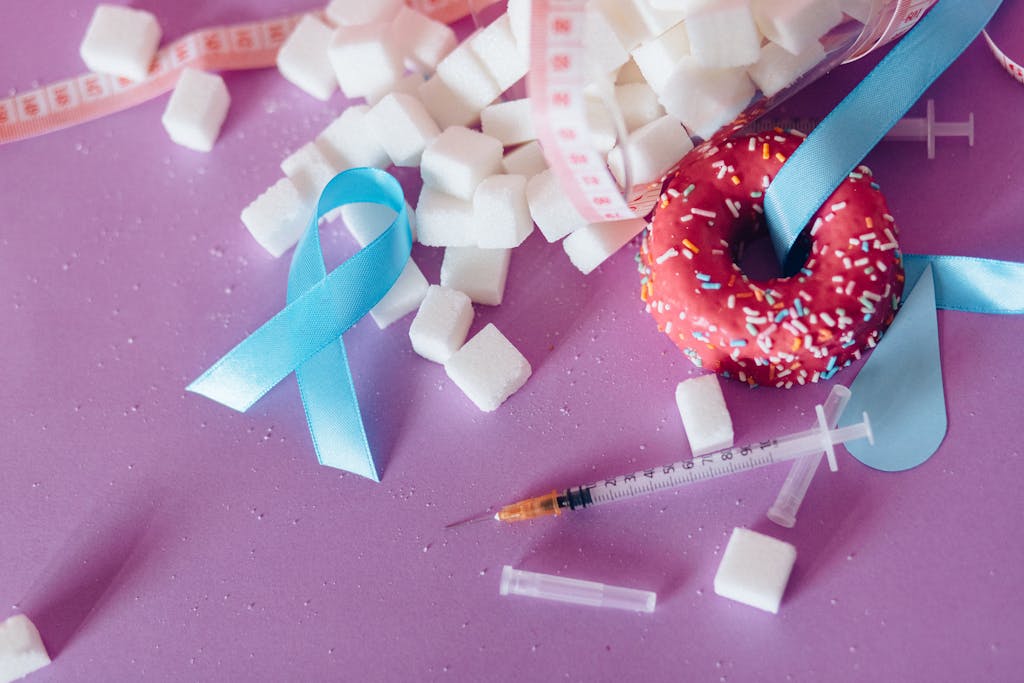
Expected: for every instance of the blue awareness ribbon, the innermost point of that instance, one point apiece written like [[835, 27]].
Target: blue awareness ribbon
[[901, 382], [305, 337]]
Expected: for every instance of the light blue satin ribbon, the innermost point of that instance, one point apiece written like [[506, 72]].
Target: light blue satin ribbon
[[901, 383], [305, 337]]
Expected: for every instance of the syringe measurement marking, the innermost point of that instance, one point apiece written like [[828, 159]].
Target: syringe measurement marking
[[711, 466]]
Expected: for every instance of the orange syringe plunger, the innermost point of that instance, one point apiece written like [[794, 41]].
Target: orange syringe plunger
[[541, 506]]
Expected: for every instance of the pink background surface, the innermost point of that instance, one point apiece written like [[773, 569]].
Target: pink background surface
[[155, 535]]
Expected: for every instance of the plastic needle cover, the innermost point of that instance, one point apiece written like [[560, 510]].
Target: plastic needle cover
[[576, 591]]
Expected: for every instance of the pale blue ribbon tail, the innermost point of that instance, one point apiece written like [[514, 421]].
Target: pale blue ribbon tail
[[900, 387], [305, 337]]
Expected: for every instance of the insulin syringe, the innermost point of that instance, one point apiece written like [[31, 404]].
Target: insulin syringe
[[720, 463], [909, 128]]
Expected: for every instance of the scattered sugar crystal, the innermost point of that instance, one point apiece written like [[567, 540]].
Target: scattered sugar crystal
[[755, 569], [488, 368], [705, 416], [441, 324], [278, 217], [303, 60], [121, 41], [21, 649], [455, 161], [591, 245], [403, 127], [501, 213], [196, 110], [480, 273]]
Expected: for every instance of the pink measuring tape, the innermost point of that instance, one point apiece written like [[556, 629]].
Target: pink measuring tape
[[227, 48], [555, 83]]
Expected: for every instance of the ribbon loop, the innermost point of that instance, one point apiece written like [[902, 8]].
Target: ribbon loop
[[305, 337]]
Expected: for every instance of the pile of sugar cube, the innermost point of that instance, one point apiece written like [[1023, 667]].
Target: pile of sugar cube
[[671, 68]]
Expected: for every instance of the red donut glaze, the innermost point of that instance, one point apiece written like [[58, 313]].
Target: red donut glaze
[[778, 332]]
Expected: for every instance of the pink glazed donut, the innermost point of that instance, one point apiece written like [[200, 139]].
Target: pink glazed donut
[[782, 331]]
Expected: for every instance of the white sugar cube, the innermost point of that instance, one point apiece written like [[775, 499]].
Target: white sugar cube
[[526, 160], [458, 159], [629, 73], [426, 41], [443, 220], [603, 49], [496, 47], [706, 99], [488, 368], [796, 24], [638, 104], [656, 58], [366, 221], [403, 127], [755, 569], [551, 209], [349, 143], [591, 245], [705, 417], [468, 78], [724, 34], [442, 323], [303, 60], [601, 132], [686, 7], [658, 20], [519, 22], [365, 58], [623, 18], [510, 122], [403, 298], [359, 12], [21, 649], [309, 170], [447, 107], [196, 110], [501, 213], [120, 41], [408, 84], [777, 67], [278, 217], [651, 151], [480, 273]]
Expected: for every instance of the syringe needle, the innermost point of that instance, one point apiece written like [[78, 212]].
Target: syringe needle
[[472, 520]]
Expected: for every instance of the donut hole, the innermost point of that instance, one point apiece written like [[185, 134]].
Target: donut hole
[[755, 256]]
